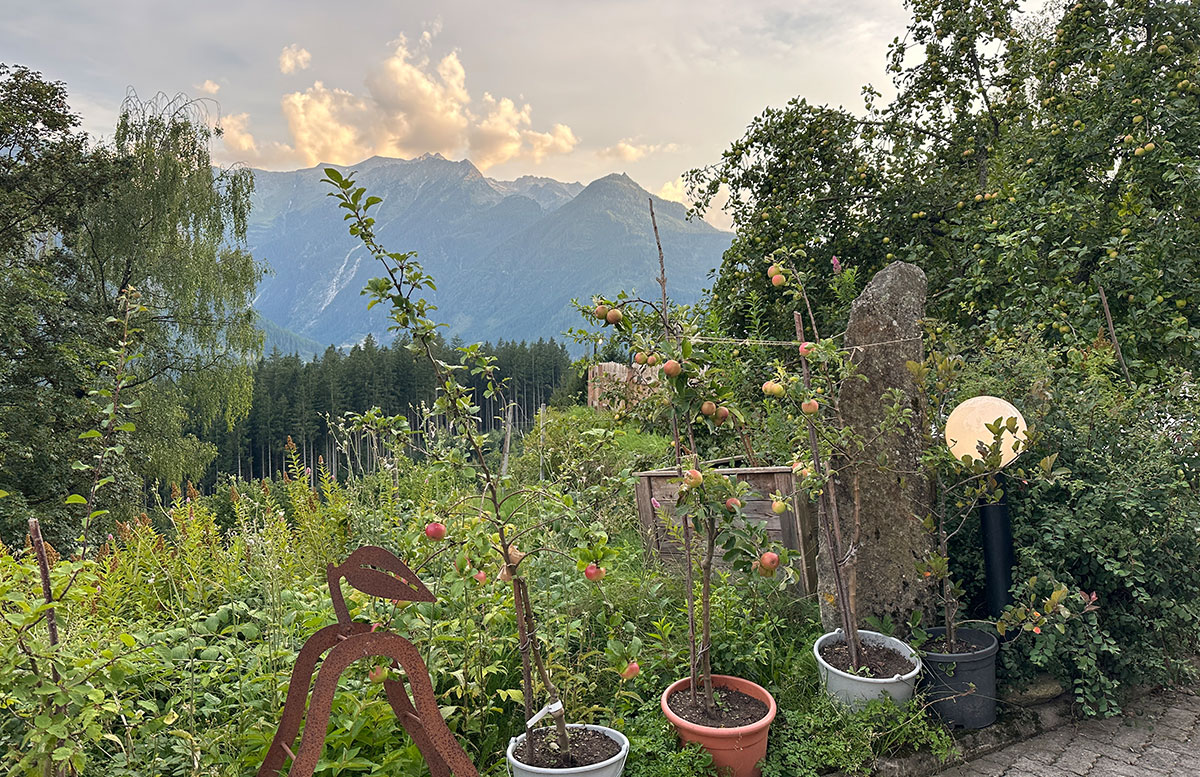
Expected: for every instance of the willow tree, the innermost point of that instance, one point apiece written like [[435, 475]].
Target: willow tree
[[146, 210]]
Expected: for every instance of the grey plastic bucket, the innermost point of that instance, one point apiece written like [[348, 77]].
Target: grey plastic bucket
[[962, 686]]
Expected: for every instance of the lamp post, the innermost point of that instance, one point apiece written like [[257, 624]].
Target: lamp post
[[966, 435]]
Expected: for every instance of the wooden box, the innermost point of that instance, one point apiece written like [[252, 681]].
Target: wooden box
[[795, 529]]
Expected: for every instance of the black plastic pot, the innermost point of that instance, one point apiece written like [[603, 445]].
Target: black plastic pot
[[962, 686]]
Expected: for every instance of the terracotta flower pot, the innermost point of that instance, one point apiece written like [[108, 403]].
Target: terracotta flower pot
[[737, 750]]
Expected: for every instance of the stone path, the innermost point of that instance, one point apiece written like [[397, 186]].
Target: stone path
[[1161, 739]]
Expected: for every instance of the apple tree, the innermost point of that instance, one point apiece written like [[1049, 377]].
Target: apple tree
[[1042, 169]]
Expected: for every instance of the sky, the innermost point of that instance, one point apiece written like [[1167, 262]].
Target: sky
[[568, 89]]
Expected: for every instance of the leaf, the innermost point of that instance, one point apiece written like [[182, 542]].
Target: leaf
[[75, 499], [89, 434]]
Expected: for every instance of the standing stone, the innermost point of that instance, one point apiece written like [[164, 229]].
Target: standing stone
[[884, 334]]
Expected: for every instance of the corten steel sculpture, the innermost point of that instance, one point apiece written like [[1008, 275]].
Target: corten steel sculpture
[[376, 572]]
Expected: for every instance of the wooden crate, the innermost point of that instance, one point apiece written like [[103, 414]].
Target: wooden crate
[[795, 529]]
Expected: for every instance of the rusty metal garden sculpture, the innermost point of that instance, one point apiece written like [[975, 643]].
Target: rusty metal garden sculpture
[[376, 572]]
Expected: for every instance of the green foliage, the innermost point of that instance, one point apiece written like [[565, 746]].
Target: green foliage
[[1036, 166], [1117, 519], [149, 211]]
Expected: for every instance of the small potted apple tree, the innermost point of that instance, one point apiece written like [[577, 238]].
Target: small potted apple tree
[[855, 665], [961, 661], [489, 519], [729, 716]]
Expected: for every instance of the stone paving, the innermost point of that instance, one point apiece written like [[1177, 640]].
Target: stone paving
[[1160, 739]]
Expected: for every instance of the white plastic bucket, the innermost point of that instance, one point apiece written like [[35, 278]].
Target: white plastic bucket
[[855, 691], [610, 768]]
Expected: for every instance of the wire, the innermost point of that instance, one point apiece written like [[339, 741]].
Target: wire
[[795, 343]]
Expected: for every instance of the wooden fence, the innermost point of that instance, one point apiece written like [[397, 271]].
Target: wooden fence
[[616, 386]]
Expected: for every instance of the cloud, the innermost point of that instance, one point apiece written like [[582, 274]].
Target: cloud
[[627, 150], [241, 145], [236, 135], [208, 87], [412, 105], [676, 191], [293, 58], [673, 191]]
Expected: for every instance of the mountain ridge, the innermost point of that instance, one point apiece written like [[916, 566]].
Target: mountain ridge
[[508, 256]]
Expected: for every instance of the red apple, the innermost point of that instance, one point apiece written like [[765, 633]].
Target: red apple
[[773, 270], [639, 358], [601, 312], [692, 478], [732, 504], [810, 406], [594, 573], [672, 369], [778, 280], [806, 348], [435, 530], [763, 570], [709, 408], [652, 359], [777, 507], [722, 414], [480, 576], [770, 560], [614, 316], [377, 674], [631, 671]]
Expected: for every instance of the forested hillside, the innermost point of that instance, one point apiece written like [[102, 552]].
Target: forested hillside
[[308, 400]]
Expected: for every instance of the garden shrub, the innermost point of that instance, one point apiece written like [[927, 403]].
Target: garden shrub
[[1122, 520]]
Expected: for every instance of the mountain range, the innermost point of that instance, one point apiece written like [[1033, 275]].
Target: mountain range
[[507, 256]]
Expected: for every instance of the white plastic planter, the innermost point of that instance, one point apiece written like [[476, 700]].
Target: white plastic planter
[[610, 768], [855, 691]]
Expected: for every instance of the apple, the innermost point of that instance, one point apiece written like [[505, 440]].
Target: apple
[[435, 530], [692, 478], [652, 359], [722, 414], [709, 408], [778, 280], [777, 507], [594, 573], [773, 388], [732, 504], [807, 348], [601, 312], [763, 570], [672, 369], [810, 406], [614, 316], [377, 674], [773, 270], [631, 671], [480, 576], [769, 560], [640, 358]]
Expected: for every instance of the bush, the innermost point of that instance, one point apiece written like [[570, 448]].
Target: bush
[[1122, 519]]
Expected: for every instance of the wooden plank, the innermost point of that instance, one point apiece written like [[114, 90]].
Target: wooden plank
[[646, 516]]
